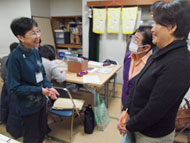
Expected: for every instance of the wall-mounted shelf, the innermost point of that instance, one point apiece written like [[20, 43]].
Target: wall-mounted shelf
[[68, 46], [117, 3], [67, 32]]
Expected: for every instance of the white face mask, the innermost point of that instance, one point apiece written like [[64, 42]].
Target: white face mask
[[134, 48]]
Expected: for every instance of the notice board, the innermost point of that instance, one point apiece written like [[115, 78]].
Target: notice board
[[44, 25]]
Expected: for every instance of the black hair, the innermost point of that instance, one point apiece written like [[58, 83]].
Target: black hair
[[22, 25], [173, 13], [13, 46], [47, 51], [154, 5], [147, 34], [128, 43]]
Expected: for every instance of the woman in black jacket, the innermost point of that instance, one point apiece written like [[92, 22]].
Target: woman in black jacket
[[165, 79]]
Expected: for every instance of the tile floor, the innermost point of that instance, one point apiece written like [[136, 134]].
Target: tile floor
[[61, 130]]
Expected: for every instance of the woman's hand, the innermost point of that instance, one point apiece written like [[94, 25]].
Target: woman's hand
[[45, 91], [121, 123], [53, 93], [50, 92]]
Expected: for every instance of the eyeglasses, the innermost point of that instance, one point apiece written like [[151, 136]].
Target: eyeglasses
[[35, 33], [136, 40]]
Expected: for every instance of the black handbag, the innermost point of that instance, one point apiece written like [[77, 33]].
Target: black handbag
[[89, 120]]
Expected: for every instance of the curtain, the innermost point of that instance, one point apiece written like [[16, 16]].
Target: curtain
[[93, 43]]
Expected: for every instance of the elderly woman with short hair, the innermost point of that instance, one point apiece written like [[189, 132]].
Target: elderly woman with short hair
[[165, 79]]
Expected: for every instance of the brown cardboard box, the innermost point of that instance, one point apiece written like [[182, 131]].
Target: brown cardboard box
[[77, 67]]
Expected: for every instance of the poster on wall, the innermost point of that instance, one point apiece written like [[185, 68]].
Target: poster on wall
[[129, 18], [99, 20], [113, 22]]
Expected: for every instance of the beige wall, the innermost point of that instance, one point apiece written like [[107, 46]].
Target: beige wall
[[40, 8], [11, 9], [65, 7]]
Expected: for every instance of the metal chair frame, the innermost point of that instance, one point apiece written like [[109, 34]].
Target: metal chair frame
[[58, 112]]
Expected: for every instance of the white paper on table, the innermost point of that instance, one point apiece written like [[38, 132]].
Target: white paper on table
[[91, 79], [105, 70], [5, 139], [13, 141], [93, 63], [92, 69]]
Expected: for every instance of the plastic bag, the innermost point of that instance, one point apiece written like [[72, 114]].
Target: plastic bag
[[101, 114]]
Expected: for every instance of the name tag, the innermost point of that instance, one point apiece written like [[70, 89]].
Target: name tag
[[39, 77]]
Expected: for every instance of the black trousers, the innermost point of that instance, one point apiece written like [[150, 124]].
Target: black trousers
[[35, 127]]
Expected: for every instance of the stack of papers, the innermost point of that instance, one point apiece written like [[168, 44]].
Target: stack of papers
[[93, 63], [105, 70], [91, 79], [92, 69], [5, 139]]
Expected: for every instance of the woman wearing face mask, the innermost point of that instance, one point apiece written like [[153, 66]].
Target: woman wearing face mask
[[139, 46]]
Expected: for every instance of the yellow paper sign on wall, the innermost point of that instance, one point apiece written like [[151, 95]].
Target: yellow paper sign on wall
[[129, 18], [113, 25], [99, 19]]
